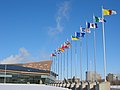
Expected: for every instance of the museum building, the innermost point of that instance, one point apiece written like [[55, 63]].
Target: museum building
[[33, 72]]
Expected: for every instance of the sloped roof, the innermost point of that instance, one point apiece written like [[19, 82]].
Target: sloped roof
[[43, 65]]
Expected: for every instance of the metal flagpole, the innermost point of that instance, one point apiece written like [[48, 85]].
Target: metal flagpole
[[58, 67], [51, 58], [54, 64], [75, 58], [87, 54], [64, 65], [61, 65], [51, 68], [94, 50], [81, 58], [71, 60], [104, 48], [67, 63]]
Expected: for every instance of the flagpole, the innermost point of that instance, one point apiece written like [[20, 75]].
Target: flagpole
[[61, 65], [67, 63], [87, 53], [51, 68], [81, 58], [104, 48], [75, 58], [58, 67], [94, 50], [71, 60], [64, 65], [54, 64]]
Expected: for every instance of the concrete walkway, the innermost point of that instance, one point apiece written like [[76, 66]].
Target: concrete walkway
[[29, 87]]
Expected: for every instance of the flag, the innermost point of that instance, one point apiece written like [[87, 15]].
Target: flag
[[61, 49], [55, 52], [87, 30], [52, 55], [74, 38], [98, 19], [82, 34], [67, 44], [82, 30], [58, 50], [91, 25], [62, 46], [77, 34], [108, 12]]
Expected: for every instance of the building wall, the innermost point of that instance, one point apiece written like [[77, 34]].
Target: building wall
[[90, 76], [22, 78], [114, 79]]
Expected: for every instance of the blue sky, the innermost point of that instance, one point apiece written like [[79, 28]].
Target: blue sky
[[30, 30]]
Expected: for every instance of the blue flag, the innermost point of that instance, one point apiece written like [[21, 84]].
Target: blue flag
[[82, 34], [77, 34], [82, 30]]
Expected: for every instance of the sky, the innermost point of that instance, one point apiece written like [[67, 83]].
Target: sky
[[30, 30]]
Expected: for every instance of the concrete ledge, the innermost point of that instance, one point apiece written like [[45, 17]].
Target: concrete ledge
[[68, 85], [72, 85], [104, 86], [92, 85], [78, 85], [64, 85], [84, 85]]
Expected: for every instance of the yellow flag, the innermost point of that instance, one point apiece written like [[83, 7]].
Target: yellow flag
[[108, 12], [74, 38], [61, 49]]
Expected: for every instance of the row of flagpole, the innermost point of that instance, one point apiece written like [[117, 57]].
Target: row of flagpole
[[63, 62]]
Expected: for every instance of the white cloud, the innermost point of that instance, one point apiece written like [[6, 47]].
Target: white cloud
[[64, 9], [21, 57], [24, 57], [24, 52], [62, 14]]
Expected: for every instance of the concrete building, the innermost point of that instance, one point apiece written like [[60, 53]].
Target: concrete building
[[113, 77], [90, 76], [33, 72]]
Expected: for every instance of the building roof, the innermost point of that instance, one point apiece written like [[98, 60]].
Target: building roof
[[42, 67]]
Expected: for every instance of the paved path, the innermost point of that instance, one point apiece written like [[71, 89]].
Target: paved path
[[29, 87]]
